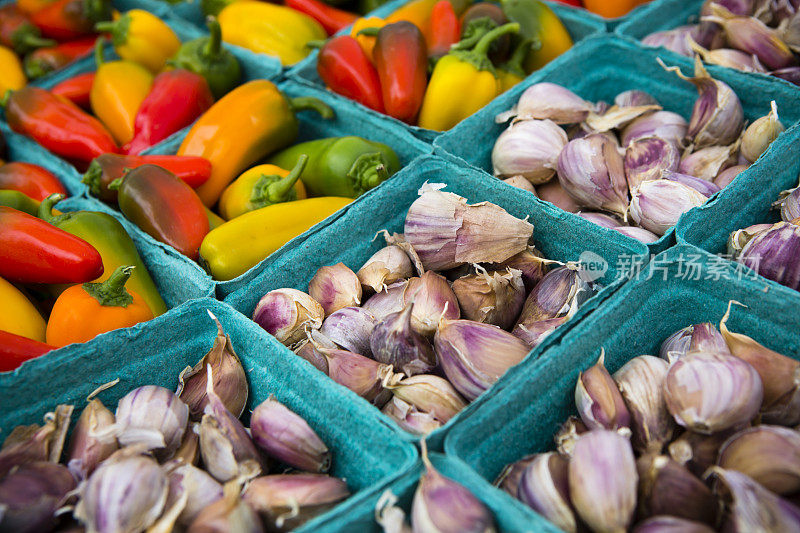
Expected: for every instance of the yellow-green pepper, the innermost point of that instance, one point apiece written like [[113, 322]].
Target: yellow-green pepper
[[261, 186], [143, 38]]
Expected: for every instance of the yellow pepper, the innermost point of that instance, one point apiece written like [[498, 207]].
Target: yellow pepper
[[539, 23], [12, 77], [467, 73], [262, 186], [18, 315], [367, 42], [118, 89], [238, 245], [270, 29], [248, 123], [143, 38]]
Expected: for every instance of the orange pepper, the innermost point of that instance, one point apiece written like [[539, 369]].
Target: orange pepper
[[367, 42], [84, 311], [418, 12], [611, 8]]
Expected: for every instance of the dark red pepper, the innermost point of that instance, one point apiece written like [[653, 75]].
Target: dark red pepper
[[330, 18], [32, 180], [176, 99], [444, 29], [401, 58], [33, 251], [45, 60], [57, 124], [15, 350], [18, 32], [69, 19], [576, 3], [346, 70], [164, 207], [193, 171], [76, 89]]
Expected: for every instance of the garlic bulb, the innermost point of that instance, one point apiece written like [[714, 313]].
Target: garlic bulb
[[529, 149]]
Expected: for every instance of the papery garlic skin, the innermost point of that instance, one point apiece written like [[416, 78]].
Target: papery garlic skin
[[529, 149], [493, 298], [285, 313], [152, 416], [544, 487], [200, 488], [789, 204], [227, 515], [433, 299], [634, 98], [410, 418], [551, 101], [657, 205], [706, 163], [335, 287], [429, 394], [93, 440], [386, 266]]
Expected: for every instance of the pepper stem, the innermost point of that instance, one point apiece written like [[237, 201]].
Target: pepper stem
[[277, 191], [214, 43], [98, 51], [368, 171], [318, 43], [4, 99], [514, 63], [106, 26], [116, 184], [369, 32], [302, 103], [111, 292], [482, 48], [46, 207], [475, 29], [97, 10], [92, 177], [31, 41], [118, 29]]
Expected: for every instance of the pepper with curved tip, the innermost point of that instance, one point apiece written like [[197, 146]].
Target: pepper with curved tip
[[262, 186], [250, 122], [444, 30], [340, 166], [347, 70], [468, 73], [76, 89], [164, 207], [70, 19], [142, 37], [538, 22], [240, 244], [401, 59], [58, 125], [18, 315], [18, 32], [16, 349], [13, 75], [33, 251], [19, 201], [84, 311], [116, 247], [118, 90], [331, 18], [206, 56], [43, 61], [36, 182]]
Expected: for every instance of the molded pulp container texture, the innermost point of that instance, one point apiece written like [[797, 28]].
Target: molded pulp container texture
[[509, 514], [366, 452], [580, 24], [351, 239], [599, 69], [350, 120], [680, 287]]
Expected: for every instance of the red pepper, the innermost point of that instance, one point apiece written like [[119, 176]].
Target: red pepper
[[576, 3], [444, 30], [33, 251], [15, 350], [45, 60], [164, 207], [76, 89], [193, 171], [57, 124], [176, 99], [18, 32], [69, 19], [34, 181], [346, 70], [401, 58], [330, 18]]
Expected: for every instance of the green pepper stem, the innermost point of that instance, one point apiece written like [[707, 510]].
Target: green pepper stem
[[46, 207], [5, 98], [98, 51], [514, 63], [107, 26], [302, 103], [369, 32], [111, 292], [92, 177], [475, 29], [214, 44], [278, 190], [318, 43], [116, 184], [367, 172], [482, 48], [31, 41], [97, 10]]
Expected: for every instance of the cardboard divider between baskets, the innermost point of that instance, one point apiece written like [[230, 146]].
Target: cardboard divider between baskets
[[680, 287], [366, 452], [599, 69], [351, 240]]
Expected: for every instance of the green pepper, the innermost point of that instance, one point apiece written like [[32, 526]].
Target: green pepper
[[206, 56], [340, 166], [19, 201], [109, 237], [213, 7]]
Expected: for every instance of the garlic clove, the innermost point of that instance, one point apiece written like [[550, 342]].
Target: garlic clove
[[308, 351], [677, 40], [447, 232], [285, 313], [474, 356], [26, 444], [395, 342], [494, 298], [634, 98], [728, 57], [601, 219], [429, 394], [617, 117], [335, 287], [93, 440], [529, 149], [534, 333], [727, 176], [432, 299], [592, 172], [199, 488], [663, 124], [760, 134], [789, 204], [670, 524], [698, 452], [647, 158], [708, 392], [509, 478], [658, 205], [640, 234], [410, 418], [706, 163], [531, 264], [704, 187], [641, 384], [350, 328], [668, 488], [599, 401], [556, 296], [520, 182], [739, 238], [706, 337], [554, 193], [386, 266], [544, 487], [360, 374], [551, 101], [286, 436], [154, 417], [602, 480], [773, 254], [31, 494], [230, 514], [231, 384], [770, 455], [387, 301], [676, 345], [568, 435]]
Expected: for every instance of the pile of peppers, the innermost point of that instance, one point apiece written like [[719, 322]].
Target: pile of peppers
[[474, 51], [79, 269]]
